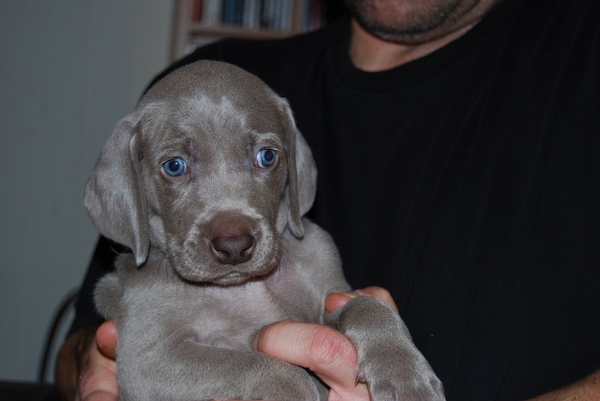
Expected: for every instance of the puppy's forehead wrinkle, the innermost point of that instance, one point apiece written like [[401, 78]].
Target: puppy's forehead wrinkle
[[204, 108], [188, 113], [225, 112]]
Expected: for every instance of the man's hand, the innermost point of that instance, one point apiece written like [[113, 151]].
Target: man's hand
[[99, 381], [587, 389], [86, 369], [323, 350]]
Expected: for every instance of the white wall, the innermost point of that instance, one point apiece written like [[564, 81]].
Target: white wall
[[69, 70]]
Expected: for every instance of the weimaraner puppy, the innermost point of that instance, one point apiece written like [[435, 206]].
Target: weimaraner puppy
[[206, 181]]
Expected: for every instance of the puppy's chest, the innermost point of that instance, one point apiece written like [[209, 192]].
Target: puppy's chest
[[231, 317]]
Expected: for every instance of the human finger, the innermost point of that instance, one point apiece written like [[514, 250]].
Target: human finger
[[322, 349], [99, 379], [336, 300], [106, 339]]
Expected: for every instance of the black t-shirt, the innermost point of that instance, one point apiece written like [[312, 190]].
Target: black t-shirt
[[466, 182]]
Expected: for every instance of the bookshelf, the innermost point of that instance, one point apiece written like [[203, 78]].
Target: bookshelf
[[199, 22]]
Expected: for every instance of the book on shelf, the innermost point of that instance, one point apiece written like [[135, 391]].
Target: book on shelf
[[273, 15]]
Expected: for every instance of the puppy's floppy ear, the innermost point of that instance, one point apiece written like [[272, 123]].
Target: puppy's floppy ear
[[302, 174], [114, 194]]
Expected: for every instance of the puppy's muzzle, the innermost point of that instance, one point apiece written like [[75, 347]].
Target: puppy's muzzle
[[232, 238], [233, 249]]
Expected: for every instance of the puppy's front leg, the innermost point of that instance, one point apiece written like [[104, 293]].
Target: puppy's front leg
[[389, 362], [198, 372]]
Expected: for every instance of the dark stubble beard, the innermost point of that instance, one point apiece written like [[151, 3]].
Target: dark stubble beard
[[425, 21]]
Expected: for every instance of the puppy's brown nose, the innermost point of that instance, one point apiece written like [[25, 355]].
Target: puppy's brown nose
[[232, 250]]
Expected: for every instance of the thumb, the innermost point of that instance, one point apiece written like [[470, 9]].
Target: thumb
[[106, 339]]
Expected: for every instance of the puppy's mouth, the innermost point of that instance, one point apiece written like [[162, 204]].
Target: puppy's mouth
[[229, 278], [222, 274], [232, 278]]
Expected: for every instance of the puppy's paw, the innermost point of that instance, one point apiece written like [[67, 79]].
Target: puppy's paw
[[386, 390], [389, 362], [399, 379]]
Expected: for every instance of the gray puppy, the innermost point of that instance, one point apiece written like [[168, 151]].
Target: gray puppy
[[207, 181]]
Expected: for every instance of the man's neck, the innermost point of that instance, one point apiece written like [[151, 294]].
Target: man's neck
[[371, 53]]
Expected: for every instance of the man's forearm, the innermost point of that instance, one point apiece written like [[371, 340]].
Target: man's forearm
[[70, 361], [587, 389]]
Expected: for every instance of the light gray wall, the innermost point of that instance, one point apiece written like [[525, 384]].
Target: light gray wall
[[69, 70]]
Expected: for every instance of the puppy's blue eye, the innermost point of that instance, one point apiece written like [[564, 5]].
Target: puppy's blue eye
[[175, 167], [266, 158]]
